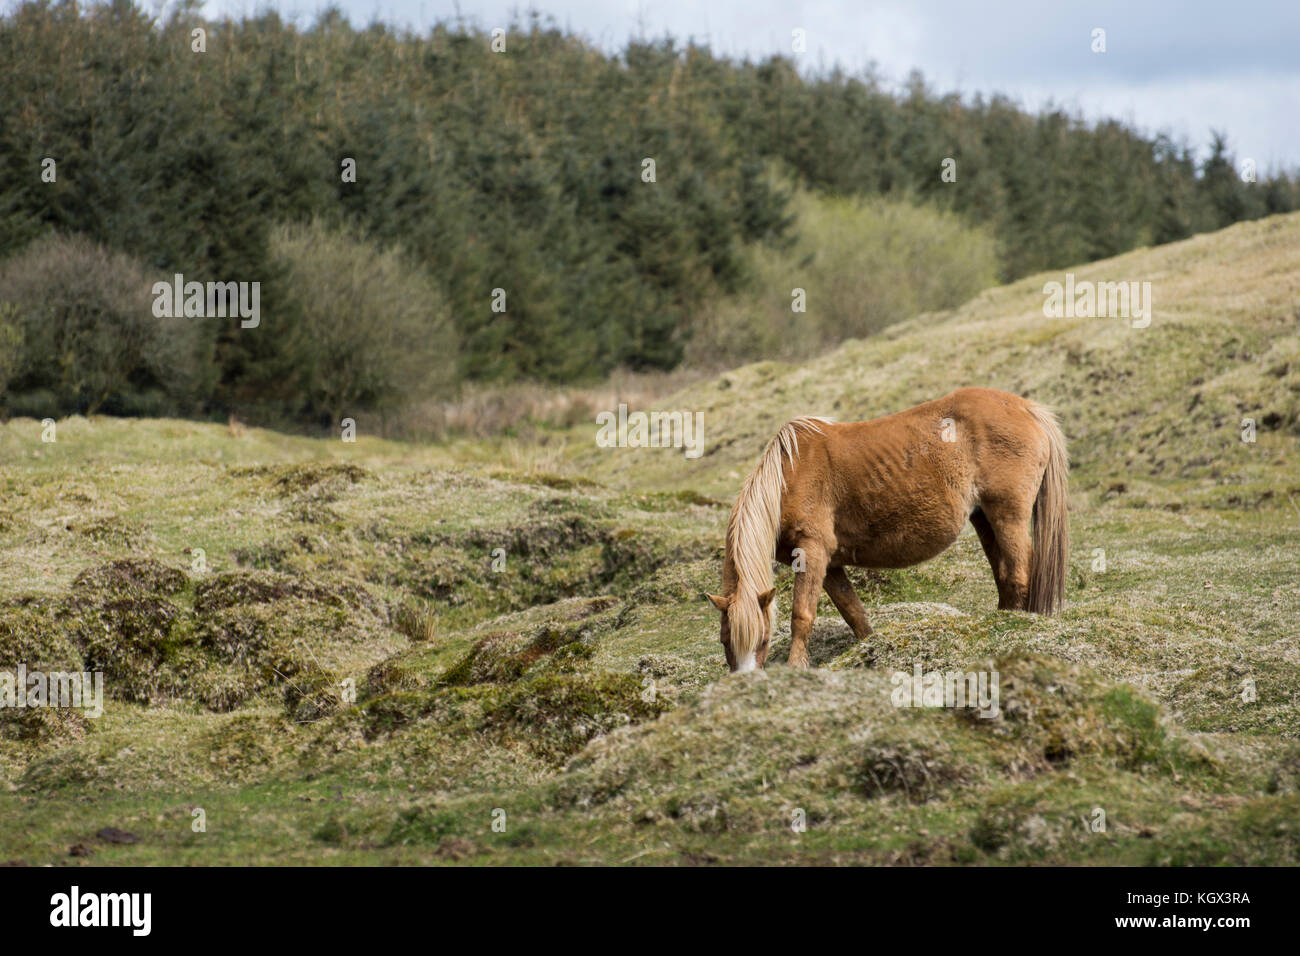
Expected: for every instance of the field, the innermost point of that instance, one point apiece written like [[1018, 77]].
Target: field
[[495, 651]]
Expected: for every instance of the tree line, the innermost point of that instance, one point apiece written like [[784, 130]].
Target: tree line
[[424, 209]]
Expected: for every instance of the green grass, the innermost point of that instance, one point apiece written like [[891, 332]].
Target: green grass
[[345, 677]]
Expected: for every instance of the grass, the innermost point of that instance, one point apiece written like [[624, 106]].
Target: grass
[[494, 651]]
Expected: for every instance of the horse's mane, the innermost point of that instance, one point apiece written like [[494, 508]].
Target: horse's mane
[[751, 535]]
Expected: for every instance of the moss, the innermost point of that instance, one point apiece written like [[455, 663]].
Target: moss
[[132, 574], [312, 694], [391, 675], [42, 727], [129, 639], [33, 631], [672, 500], [317, 513], [454, 709], [915, 771], [245, 745], [505, 656], [114, 533], [494, 658], [422, 825], [1140, 737], [244, 588], [290, 479], [266, 556], [1063, 712], [674, 671], [545, 479], [214, 685], [582, 687], [556, 714], [332, 831]]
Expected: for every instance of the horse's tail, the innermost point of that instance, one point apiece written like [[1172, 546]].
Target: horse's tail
[[1051, 535]]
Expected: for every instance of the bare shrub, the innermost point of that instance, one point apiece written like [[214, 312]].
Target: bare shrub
[[89, 338], [368, 331]]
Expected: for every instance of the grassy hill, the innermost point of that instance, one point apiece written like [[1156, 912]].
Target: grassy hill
[[575, 694]]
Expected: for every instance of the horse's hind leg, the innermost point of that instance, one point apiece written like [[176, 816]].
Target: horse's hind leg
[[1004, 533], [840, 588], [989, 542]]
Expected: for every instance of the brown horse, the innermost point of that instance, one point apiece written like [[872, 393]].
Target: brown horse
[[890, 493]]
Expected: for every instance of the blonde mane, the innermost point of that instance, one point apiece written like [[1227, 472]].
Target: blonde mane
[[751, 536]]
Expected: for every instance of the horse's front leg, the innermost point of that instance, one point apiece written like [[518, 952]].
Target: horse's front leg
[[807, 592]]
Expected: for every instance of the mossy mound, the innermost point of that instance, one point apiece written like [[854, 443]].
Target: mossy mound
[[312, 694], [158, 750], [555, 556], [33, 632], [557, 713], [677, 581], [290, 479], [780, 735], [748, 751], [505, 656], [915, 770], [131, 639], [244, 588], [42, 727], [260, 631], [132, 575], [277, 642], [1058, 712], [113, 533], [537, 690], [245, 746], [674, 671], [545, 479], [928, 633], [248, 632]]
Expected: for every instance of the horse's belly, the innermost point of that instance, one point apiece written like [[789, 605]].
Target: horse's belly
[[898, 544]]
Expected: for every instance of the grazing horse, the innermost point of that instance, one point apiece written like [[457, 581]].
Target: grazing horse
[[890, 493]]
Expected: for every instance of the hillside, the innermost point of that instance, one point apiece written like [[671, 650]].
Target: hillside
[[1163, 402], [576, 693]]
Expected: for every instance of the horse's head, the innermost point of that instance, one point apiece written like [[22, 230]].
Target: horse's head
[[746, 628]]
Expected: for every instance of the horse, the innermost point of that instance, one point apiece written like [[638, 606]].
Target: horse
[[890, 493]]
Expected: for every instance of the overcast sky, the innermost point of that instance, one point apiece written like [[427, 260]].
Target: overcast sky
[[1180, 66]]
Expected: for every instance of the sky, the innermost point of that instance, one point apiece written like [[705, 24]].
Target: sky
[[1183, 67]]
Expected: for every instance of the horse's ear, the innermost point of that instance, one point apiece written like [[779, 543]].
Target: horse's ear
[[719, 602], [765, 599]]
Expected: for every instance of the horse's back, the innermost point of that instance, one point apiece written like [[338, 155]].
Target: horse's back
[[897, 490]]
